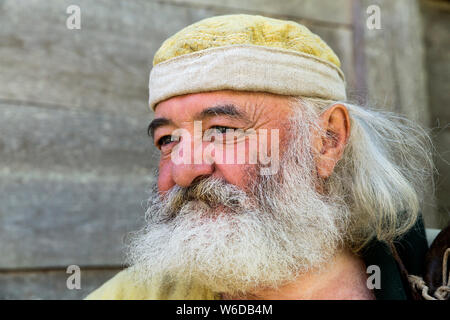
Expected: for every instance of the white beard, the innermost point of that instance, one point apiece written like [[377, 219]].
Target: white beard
[[233, 242]]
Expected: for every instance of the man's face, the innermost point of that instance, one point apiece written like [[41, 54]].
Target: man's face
[[220, 111], [224, 224]]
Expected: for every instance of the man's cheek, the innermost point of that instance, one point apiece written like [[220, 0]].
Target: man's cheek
[[165, 181], [240, 175]]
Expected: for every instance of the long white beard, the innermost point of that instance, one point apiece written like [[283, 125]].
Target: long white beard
[[234, 242]]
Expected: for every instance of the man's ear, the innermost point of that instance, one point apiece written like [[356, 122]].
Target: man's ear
[[330, 140]]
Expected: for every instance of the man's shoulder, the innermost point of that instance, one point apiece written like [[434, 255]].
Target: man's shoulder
[[126, 286], [407, 252], [120, 287]]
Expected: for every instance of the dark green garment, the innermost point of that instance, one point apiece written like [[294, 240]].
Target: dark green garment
[[411, 248]]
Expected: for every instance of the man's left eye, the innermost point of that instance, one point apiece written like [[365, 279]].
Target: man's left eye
[[222, 129]]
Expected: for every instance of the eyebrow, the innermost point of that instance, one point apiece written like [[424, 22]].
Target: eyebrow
[[228, 110], [156, 123]]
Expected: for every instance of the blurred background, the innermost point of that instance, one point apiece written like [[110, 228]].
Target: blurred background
[[75, 160]]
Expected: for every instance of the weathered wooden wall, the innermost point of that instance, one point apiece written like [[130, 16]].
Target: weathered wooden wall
[[75, 162], [436, 21]]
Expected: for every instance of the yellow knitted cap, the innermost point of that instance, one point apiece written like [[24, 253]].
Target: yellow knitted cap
[[245, 29], [246, 53]]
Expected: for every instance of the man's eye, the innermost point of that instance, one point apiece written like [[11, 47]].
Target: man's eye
[[222, 129], [166, 140]]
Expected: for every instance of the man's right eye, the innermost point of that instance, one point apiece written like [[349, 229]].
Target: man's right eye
[[166, 140]]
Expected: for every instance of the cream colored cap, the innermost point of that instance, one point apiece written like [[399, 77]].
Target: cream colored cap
[[246, 53]]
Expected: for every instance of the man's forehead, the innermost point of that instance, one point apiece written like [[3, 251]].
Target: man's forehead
[[227, 102]]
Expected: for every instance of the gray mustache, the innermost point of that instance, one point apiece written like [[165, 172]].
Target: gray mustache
[[211, 191]]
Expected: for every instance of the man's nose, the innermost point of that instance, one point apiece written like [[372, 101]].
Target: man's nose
[[184, 173]]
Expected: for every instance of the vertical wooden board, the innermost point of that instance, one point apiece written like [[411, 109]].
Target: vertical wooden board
[[443, 179], [378, 47], [437, 45], [436, 17], [394, 65], [394, 58]]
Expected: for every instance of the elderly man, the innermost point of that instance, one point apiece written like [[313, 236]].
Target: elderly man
[[270, 185]]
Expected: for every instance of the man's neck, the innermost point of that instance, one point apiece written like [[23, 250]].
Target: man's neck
[[344, 278]]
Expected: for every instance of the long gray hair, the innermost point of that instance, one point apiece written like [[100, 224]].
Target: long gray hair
[[384, 173]]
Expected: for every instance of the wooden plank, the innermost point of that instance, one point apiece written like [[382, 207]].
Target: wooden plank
[[51, 219], [394, 55], [60, 140], [442, 218], [394, 67], [436, 17], [42, 284]]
